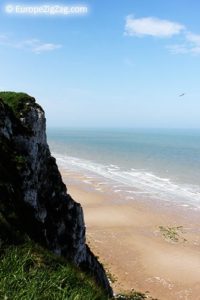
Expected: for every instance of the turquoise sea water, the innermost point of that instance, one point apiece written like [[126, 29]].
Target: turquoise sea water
[[159, 163]]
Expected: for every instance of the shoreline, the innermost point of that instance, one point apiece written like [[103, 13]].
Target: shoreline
[[145, 247]]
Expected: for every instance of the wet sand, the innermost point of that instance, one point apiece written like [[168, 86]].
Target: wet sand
[[127, 237]]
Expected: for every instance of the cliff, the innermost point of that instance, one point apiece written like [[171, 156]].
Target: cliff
[[33, 199]]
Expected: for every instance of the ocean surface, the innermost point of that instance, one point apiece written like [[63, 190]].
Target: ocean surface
[[152, 163]]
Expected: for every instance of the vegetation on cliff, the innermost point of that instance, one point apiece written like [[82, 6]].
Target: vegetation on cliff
[[20, 103], [28, 271]]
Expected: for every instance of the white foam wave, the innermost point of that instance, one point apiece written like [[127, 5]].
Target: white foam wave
[[140, 181]]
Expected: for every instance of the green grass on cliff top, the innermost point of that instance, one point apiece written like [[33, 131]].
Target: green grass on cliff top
[[18, 101], [28, 272]]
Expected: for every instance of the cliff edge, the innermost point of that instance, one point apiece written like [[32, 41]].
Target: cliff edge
[[33, 199]]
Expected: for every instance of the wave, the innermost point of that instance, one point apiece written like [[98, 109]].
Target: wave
[[134, 181]]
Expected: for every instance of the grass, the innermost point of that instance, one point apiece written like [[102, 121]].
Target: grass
[[20, 103], [28, 272]]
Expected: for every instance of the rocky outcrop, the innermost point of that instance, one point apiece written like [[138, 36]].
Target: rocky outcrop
[[33, 197]]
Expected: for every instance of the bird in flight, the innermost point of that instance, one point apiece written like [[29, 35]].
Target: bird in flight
[[181, 95]]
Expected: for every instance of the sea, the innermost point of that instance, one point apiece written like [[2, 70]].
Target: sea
[[156, 164]]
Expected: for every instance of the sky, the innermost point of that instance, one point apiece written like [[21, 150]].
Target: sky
[[121, 64]]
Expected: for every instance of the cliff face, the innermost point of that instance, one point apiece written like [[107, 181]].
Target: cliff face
[[33, 198]]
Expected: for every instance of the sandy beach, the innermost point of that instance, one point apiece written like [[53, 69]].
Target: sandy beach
[[145, 246]]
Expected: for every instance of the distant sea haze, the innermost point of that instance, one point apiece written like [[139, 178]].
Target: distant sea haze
[[155, 163]]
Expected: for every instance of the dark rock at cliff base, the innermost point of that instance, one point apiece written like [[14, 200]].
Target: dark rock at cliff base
[[33, 198]]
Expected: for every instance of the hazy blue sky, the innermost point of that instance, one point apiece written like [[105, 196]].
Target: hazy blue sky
[[123, 64]]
